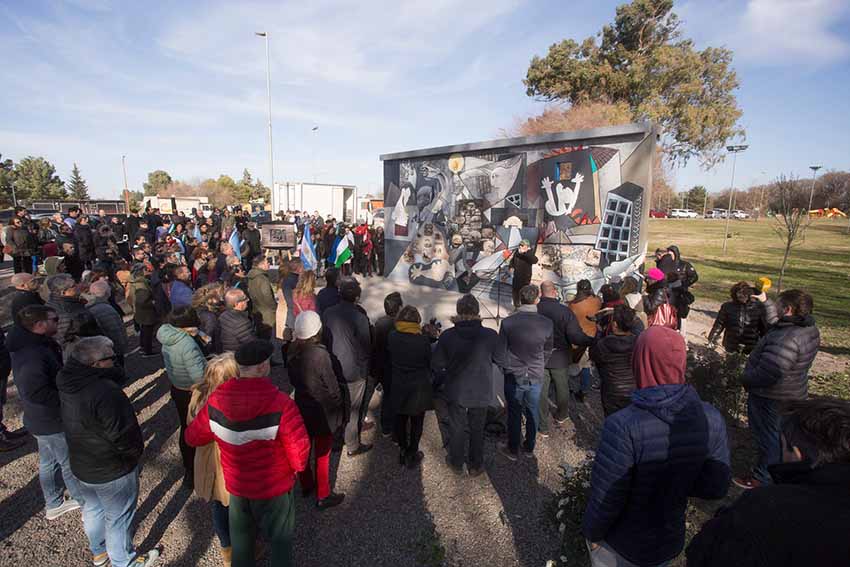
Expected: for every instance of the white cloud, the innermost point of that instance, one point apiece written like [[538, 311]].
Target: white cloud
[[773, 32]]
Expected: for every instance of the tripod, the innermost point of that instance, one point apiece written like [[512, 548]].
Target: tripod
[[498, 317]]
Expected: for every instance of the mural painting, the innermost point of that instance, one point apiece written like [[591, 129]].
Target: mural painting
[[450, 215]]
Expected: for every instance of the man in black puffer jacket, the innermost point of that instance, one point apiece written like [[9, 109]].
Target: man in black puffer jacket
[[778, 371], [105, 445], [612, 355], [743, 321], [237, 327], [681, 275]]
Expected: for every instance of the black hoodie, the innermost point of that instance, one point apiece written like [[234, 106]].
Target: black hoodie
[[103, 434]]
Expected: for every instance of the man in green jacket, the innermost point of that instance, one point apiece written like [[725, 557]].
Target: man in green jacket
[[263, 302]]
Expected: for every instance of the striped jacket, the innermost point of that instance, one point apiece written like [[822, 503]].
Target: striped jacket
[[260, 434]]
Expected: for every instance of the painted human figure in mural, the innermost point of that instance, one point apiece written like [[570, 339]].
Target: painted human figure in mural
[[429, 258], [563, 201]]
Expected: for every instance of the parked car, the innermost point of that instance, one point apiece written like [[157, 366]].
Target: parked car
[[657, 214], [716, 214], [740, 215], [683, 214]]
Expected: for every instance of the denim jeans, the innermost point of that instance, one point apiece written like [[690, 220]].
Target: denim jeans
[[108, 517], [763, 416], [53, 455], [523, 398]]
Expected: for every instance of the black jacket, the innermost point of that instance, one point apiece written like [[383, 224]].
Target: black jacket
[[613, 358], [382, 329], [237, 328], [526, 343], [318, 392], [326, 298], [252, 239], [778, 367], [409, 360], [521, 263], [566, 331], [210, 325], [803, 519], [104, 438], [680, 276], [21, 299], [463, 362], [348, 336], [75, 320], [84, 239], [742, 325], [36, 360]]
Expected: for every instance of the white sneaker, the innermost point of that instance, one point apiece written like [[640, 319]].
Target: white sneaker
[[68, 506], [148, 559]]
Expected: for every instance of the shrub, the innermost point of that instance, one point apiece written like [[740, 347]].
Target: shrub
[[716, 376], [571, 504]]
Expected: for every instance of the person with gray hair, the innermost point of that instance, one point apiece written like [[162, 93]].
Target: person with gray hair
[[26, 293], [237, 327], [74, 320], [105, 445], [108, 319]]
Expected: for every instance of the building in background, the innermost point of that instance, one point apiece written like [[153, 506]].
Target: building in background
[[338, 201]]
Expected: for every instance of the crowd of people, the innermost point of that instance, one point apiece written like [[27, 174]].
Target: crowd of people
[[208, 304]]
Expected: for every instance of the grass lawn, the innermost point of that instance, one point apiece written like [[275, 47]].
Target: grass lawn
[[820, 264]]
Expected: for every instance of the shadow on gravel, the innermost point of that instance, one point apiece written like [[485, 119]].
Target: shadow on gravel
[[11, 456], [384, 520], [525, 501], [202, 535], [165, 518], [20, 507]]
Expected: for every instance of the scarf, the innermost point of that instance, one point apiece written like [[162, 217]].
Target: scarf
[[408, 327], [659, 358]]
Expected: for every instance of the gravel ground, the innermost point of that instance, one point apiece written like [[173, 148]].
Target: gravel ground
[[391, 515]]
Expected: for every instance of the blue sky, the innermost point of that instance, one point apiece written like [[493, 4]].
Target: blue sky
[[181, 86]]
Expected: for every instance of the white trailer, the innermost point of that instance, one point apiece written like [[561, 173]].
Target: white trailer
[[338, 201]]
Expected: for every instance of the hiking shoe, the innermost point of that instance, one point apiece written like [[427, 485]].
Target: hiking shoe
[[747, 482], [330, 501], [100, 560], [7, 444], [69, 505], [543, 434], [455, 469], [148, 559], [507, 453], [413, 459], [562, 421], [475, 472], [527, 454], [363, 448]]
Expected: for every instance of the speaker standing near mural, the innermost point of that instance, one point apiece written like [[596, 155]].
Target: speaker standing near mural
[[521, 264]]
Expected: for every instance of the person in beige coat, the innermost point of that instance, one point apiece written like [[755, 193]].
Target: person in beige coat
[[585, 304], [209, 478]]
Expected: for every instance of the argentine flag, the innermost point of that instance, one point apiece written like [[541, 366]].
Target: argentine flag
[[308, 251], [197, 233], [236, 242]]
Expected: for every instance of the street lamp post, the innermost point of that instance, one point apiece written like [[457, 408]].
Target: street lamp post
[[315, 131], [265, 35], [734, 150], [126, 190], [814, 169]]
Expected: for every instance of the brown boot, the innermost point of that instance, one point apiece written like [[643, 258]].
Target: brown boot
[[226, 555]]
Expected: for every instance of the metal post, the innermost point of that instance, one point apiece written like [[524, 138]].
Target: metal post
[[126, 190], [705, 203], [734, 150], [814, 169], [265, 35]]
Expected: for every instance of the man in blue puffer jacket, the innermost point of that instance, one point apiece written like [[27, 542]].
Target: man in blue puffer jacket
[[653, 455]]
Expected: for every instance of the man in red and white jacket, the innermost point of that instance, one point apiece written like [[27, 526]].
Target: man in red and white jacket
[[263, 445]]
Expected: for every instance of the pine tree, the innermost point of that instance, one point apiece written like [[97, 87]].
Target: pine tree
[[77, 187]]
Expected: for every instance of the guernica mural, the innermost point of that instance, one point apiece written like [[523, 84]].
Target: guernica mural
[[580, 198]]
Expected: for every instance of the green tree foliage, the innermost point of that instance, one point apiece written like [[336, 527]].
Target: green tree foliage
[[35, 178], [7, 182], [158, 180], [697, 199], [642, 61], [77, 187]]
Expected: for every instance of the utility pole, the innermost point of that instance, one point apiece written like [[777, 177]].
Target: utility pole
[[734, 150], [814, 169], [705, 203], [126, 189], [265, 35]]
